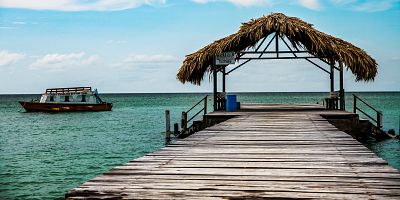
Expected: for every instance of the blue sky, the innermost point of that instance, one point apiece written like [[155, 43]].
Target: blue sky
[[139, 45]]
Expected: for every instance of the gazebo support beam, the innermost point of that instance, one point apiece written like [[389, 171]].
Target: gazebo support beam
[[332, 77], [277, 44], [223, 79], [310, 61], [215, 88], [315, 64], [256, 51], [275, 58], [248, 60], [342, 98]]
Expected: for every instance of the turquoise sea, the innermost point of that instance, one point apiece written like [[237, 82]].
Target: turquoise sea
[[42, 155]]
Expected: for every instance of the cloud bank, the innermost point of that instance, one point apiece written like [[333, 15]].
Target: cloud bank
[[310, 4], [113, 5], [7, 58], [60, 62], [367, 6], [135, 60], [78, 5], [158, 58], [357, 5], [245, 3]]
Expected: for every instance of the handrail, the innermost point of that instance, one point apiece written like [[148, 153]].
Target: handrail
[[197, 103], [369, 116], [367, 104], [195, 115], [379, 114], [185, 122]]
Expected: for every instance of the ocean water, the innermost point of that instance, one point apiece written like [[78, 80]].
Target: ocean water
[[43, 155]]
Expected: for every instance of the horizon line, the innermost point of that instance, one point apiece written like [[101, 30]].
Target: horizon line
[[212, 92]]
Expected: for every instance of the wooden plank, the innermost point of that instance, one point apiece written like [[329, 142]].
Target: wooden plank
[[252, 186], [294, 179]]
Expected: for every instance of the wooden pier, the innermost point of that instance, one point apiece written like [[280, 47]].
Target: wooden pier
[[265, 152]]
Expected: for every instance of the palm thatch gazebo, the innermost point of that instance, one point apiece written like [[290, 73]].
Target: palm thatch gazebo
[[304, 42]]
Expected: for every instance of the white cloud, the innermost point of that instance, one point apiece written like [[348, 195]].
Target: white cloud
[[93, 59], [7, 58], [60, 62], [159, 58], [343, 2], [395, 58], [375, 6], [7, 27], [358, 5], [310, 4], [19, 23], [110, 5], [135, 60], [116, 42], [76, 5], [201, 1], [367, 6], [245, 3]]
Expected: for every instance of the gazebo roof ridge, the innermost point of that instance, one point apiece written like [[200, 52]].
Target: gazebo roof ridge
[[298, 32]]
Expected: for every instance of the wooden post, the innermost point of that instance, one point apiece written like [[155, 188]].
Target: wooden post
[[215, 89], [342, 98], [379, 119], [277, 44], [332, 77], [176, 129], [223, 79], [167, 127], [184, 122], [205, 105], [354, 104], [223, 104]]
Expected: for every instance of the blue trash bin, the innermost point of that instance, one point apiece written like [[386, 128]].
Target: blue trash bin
[[231, 104]]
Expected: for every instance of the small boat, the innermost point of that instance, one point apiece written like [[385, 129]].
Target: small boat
[[67, 100]]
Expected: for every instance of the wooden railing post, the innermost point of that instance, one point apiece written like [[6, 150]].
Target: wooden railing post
[[167, 127], [184, 122], [215, 89], [205, 105], [341, 85], [354, 103], [332, 76], [176, 129], [379, 119]]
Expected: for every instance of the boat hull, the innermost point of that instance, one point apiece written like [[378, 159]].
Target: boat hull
[[60, 107]]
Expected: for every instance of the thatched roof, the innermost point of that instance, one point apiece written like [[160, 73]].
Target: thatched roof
[[299, 33]]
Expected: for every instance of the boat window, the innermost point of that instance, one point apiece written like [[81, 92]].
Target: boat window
[[83, 98], [66, 99], [51, 98]]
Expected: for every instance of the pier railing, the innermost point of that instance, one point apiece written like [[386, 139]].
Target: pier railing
[[185, 130], [377, 120], [185, 121]]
